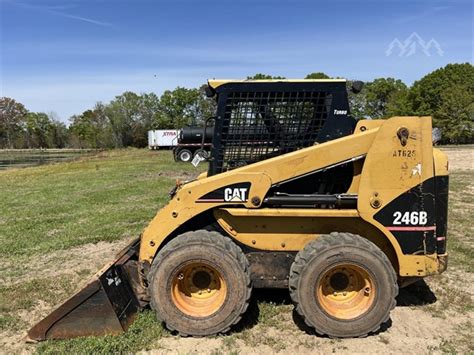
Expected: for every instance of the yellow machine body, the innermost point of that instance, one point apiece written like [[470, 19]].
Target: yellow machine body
[[389, 169]]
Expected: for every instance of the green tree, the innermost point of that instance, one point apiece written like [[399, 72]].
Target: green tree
[[38, 130], [178, 108], [121, 113], [148, 108], [447, 95], [83, 130], [59, 134], [400, 104], [317, 75], [381, 97], [91, 129], [260, 76], [455, 115], [130, 116], [426, 93], [12, 115]]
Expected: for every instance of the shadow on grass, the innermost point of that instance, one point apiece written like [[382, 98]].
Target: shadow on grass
[[276, 297], [280, 297], [416, 294], [300, 323]]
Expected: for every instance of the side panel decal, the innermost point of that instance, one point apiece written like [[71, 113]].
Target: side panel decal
[[230, 193], [411, 219]]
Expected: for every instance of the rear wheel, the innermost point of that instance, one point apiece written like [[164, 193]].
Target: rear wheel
[[184, 155], [343, 285], [200, 283]]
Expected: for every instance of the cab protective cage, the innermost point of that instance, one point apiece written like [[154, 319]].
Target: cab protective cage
[[259, 120]]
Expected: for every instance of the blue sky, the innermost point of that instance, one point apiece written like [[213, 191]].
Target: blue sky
[[64, 55]]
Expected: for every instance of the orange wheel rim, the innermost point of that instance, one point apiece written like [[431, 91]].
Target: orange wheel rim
[[346, 291], [198, 290]]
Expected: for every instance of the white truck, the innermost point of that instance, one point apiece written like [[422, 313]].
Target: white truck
[[185, 143], [163, 138]]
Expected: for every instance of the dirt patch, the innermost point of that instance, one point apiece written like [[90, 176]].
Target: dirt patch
[[182, 176], [460, 158], [84, 260], [14, 341], [77, 265], [414, 328], [412, 331]]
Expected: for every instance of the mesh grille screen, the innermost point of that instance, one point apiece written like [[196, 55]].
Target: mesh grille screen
[[260, 125]]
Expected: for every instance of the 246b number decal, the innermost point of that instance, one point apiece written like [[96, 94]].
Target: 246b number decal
[[414, 218]]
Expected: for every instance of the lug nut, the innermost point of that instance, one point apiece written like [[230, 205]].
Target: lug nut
[[180, 276]]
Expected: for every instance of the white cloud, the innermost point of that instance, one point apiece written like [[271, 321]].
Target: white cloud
[[58, 10]]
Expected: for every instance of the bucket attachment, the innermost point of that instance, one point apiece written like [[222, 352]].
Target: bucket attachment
[[107, 305]]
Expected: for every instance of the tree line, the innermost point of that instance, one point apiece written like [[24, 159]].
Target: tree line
[[447, 94], [122, 122]]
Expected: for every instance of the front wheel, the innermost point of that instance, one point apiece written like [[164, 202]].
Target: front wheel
[[200, 283], [343, 285], [184, 155]]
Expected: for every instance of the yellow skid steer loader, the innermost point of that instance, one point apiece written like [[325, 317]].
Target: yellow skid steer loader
[[298, 195]]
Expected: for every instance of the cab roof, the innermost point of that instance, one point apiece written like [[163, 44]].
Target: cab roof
[[215, 83]]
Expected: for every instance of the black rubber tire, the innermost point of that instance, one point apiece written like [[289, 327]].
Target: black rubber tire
[[175, 154], [216, 250], [184, 155], [325, 252]]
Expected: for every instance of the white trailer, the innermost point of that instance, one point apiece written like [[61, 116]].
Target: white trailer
[[163, 138]]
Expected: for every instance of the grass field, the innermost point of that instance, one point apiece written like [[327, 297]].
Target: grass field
[[59, 223], [108, 197]]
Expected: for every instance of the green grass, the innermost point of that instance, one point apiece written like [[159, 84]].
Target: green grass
[[461, 343], [109, 196], [143, 334], [106, 197], [269, 315], [23, 296], [460, 227], [8, 322]]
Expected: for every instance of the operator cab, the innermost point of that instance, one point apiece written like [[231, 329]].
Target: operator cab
[[260, 119]]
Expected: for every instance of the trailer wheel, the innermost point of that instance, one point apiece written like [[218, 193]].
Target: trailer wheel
[[199, 284], [343, 285], [184, 155]]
